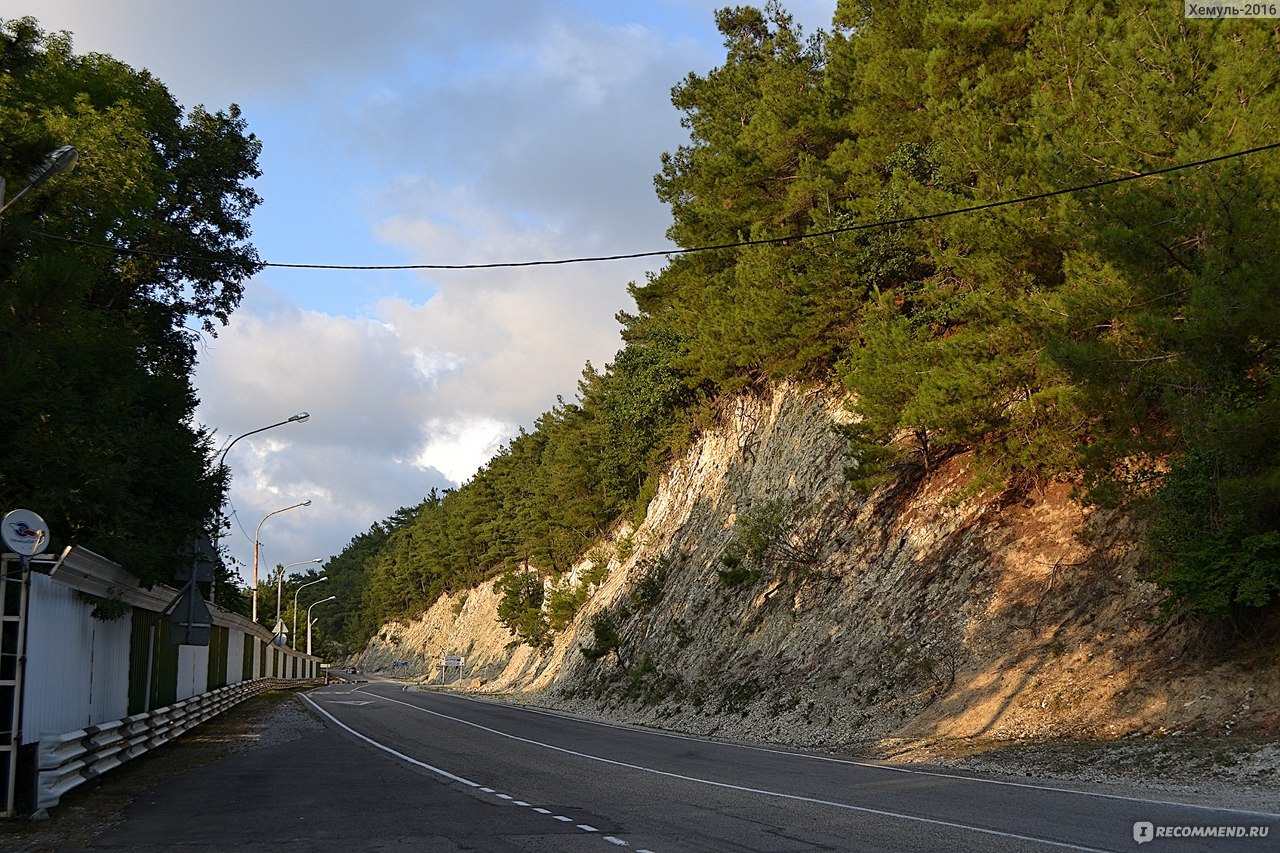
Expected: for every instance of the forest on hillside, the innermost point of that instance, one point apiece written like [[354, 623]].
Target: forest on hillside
[[843, 197]]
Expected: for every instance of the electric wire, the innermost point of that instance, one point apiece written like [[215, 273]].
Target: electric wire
[[766, 241]]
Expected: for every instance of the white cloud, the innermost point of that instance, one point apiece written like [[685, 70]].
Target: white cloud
[[458, 448], [418, 397], [489, 131], [353, 458], [236, 50]]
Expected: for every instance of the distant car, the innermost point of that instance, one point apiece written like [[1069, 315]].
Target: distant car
[[351, 670]]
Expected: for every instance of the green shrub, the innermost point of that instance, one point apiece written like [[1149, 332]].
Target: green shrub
[[520, 607], [763, 535], [626, 547], [1212, 541], [599, 568], [648, 491], [735, 573], [563, 603], [681, 632], [604, 630], [647, 592]]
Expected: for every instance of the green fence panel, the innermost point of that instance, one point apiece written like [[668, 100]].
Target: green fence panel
[[164, 673], [142, 639], [246, 672], [219, 640]]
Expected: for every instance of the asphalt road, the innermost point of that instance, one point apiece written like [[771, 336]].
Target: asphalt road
[[509, 778]]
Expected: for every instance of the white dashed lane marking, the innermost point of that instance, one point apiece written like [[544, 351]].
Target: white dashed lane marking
[[612, 839]]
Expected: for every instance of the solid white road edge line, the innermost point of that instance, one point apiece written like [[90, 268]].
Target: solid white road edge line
[[445, 773], [870, 765], [432, 768], [711, 782]]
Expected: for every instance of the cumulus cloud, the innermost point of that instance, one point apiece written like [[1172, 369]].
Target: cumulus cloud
[[416, 397], [233, 50], [491, 131], [355, 458]]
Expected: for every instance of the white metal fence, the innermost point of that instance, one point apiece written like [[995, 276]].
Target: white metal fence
[[66, 760], [89, 693]]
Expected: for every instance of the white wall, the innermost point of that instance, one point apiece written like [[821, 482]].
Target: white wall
[[109, 691], [77, 668], [193, 671], [58, 673]]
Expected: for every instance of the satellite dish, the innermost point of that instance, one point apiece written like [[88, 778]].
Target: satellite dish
[[24, 533]]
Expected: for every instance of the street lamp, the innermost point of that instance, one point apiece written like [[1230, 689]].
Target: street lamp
[[295, 606], [257, 530], [298, 418], [60, 161], [279, 587], [321, 601], [279, 591]]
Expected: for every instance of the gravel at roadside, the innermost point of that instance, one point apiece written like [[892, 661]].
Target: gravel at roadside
[[1236, 773], [91, 809]]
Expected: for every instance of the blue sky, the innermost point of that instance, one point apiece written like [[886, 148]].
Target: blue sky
[[398, 132]]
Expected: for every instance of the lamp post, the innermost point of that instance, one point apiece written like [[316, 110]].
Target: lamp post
[[300, 417], [321, 601], [60, 161], [256, 531], [280, 583], [280, 589], [295, 607]]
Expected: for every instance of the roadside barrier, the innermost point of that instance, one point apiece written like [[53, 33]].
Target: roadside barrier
[[67, 760]]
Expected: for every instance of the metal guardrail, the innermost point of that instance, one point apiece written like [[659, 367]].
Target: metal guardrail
[[67, 760]]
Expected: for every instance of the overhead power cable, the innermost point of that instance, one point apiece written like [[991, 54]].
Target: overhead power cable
[[769, 241]]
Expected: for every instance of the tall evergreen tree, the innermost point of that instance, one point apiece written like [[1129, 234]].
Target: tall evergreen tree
[[102, 439], [1123, 337]]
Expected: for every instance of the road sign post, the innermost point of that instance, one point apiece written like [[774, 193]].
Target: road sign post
[[448, 662], [191, 615]]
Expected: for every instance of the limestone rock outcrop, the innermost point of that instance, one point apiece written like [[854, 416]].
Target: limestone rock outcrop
[[907, 616]]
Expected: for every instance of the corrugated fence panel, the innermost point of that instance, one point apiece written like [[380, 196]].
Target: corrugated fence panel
[[141, 638], [193, 671], [164, 673], [235, 657], [109, 692], [58, 672], [217, 657]]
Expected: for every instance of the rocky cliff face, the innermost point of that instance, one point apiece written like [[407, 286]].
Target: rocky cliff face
[[901, 618]]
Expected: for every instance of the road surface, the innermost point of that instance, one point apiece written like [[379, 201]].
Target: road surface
[[598, 786]]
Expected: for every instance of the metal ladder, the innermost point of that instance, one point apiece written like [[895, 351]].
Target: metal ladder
[[14, 588]]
